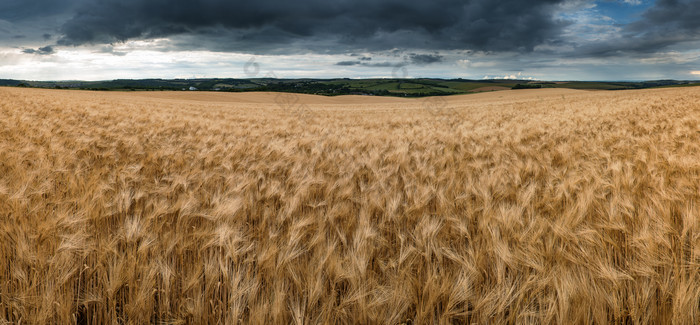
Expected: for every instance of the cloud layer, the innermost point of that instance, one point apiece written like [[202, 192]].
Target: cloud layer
[[339, 25], [499, 37]]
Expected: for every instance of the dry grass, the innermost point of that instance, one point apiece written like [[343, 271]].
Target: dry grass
[[536, 206]]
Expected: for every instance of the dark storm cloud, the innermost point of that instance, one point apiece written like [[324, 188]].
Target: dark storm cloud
[[673, 15], [17, 10], [32, 19], [46, 50], [339, 25], [345, 26]]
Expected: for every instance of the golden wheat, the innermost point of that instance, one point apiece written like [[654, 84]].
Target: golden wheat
[[535, 206]]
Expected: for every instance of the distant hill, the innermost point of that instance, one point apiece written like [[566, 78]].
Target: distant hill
[[332, 87], [9, 82]]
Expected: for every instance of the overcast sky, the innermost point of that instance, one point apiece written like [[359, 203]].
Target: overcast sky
[[475, 39]]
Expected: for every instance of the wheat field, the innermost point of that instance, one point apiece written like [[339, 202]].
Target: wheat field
[[543, 206]]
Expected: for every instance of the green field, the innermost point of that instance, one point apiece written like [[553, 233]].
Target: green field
[[334, 87]]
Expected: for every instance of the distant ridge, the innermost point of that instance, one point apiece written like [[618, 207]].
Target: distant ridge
[[419, 87]]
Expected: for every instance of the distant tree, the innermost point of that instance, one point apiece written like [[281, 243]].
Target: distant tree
[[526, 86]]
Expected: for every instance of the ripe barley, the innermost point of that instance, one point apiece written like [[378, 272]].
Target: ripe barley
[[507, 207]]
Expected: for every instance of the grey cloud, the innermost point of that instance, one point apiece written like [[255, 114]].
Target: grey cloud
[[46, 50], [32, 19], [348, 63], [360, 61], [425, 58], [18, 10], [401, 30], [110, 50], [385, 65], [361, 57], [673, 16], [666, 24], [372, 65]]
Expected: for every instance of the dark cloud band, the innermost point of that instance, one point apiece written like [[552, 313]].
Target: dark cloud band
[[345, 25]]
